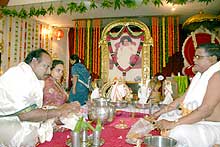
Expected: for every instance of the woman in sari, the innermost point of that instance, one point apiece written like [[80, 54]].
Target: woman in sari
[[54, 93], [80, 81]]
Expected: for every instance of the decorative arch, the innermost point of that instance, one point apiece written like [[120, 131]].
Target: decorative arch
[[140, 37]]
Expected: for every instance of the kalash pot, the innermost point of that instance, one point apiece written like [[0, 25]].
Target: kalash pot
[[101, 108]]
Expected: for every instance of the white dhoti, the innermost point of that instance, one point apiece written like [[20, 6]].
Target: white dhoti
[[15, 134], [201, 134]]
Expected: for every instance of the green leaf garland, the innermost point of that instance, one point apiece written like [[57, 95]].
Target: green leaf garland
[[83, 8], [106, 4], [93, 5], [51, 9], [72, 7], [61, 10]]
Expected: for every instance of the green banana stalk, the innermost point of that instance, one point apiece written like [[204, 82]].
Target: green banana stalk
[[78, 126], [86, 125], [98, 125]]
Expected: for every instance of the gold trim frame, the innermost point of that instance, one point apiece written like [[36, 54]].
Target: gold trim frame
[[1, 37], [148, 42]]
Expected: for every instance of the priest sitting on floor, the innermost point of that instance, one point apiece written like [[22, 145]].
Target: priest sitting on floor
[[193, 119]]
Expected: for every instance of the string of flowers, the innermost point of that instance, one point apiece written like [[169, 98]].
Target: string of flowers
[[81, 7], [114, 55]]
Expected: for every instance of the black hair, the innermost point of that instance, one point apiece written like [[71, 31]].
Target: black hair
[[55, 63], [123, 38], [35, 54], [212, 49], [75, 57]]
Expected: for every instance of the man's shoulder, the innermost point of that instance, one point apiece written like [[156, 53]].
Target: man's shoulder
[[216, 74], [215, 78]]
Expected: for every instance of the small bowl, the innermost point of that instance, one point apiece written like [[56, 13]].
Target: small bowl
[[160, 141], [120, 104]]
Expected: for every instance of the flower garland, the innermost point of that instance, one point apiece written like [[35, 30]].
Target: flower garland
[[114, 55]]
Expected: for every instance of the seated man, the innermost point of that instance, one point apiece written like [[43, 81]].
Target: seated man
[[21, 100], [195, 119]]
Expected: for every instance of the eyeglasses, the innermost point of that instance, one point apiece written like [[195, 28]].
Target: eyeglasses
[[199, 57]]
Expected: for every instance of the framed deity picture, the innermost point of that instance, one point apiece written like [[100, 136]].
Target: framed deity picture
[[125, 48]]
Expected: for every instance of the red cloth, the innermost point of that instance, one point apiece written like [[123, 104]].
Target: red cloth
[[113, 137]]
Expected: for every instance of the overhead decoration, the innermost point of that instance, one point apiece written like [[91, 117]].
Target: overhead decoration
[[208, 21], [82, 7]]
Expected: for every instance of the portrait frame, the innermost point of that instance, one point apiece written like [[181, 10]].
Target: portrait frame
[[146, 42]]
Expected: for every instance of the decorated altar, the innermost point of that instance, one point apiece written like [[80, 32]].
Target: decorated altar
[[117, 137]]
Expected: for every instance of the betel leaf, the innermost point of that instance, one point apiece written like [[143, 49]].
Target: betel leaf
[[181, 2], [14, 13], [145, 2], [23, 13], [43, 11], [37, 12], [72, 7], [106, 4], [82, 7], [93, 5], [51, 9], [130, 3], [61, 10], [5, 11], [157, 3], [32, 12], [206, 1], [117, 4]]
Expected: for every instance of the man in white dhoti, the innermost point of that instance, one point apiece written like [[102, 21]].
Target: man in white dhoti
[[22, 87], [197, 122]]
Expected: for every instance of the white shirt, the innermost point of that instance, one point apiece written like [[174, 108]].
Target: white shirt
[[19, 88]]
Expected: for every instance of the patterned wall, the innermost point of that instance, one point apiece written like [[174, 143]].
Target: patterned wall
[[20, 36]]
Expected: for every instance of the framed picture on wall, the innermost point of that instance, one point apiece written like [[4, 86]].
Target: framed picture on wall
[[126, 50]]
